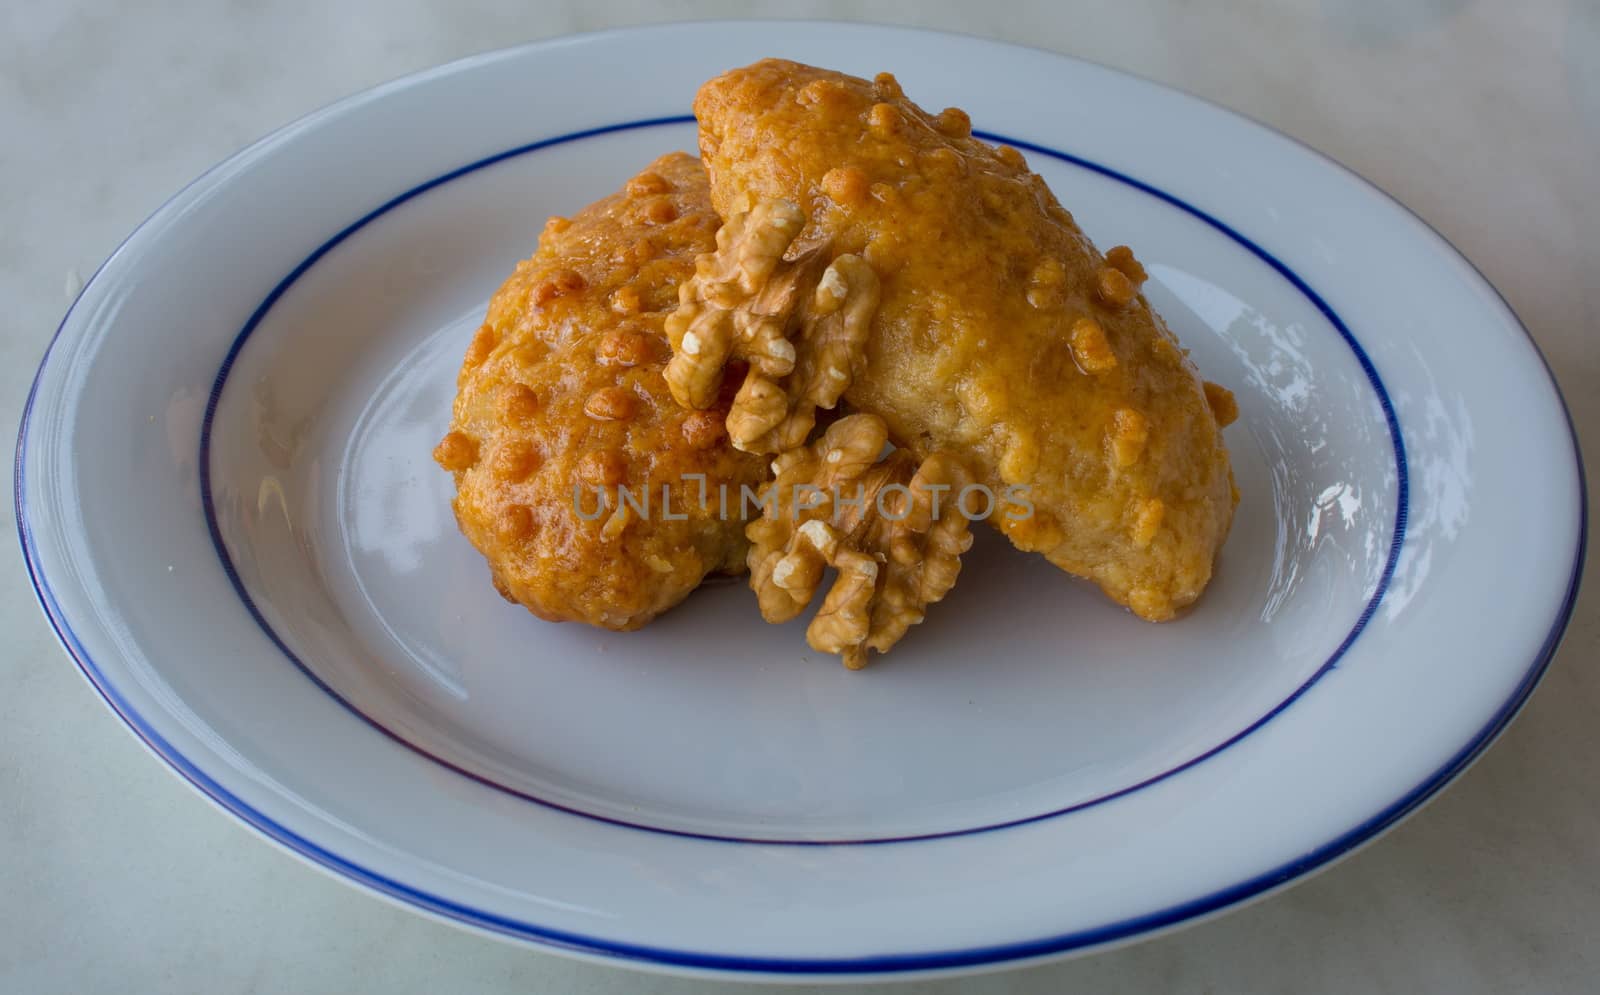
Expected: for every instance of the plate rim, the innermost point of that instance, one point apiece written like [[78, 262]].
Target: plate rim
[[866, 966]]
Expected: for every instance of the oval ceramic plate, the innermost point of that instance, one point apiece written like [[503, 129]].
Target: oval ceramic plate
[[229, 510]]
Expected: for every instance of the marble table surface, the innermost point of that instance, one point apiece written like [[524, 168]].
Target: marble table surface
[[1482, 116]]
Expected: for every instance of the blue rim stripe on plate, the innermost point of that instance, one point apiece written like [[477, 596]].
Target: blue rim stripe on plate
[[219, 543], [888, 963]]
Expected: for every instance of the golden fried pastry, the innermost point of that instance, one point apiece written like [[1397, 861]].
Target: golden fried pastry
[[1000, 333], [565, 438], [892, 528]]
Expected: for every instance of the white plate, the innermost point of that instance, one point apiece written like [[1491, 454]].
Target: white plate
[[228, 507]]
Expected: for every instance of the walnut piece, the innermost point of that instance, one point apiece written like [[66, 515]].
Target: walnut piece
[[801, 325], [891, 528]]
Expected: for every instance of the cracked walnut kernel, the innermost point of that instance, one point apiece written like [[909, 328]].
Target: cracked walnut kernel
[[876, 521], [1114, 287], [1090, 347], [802, 331]]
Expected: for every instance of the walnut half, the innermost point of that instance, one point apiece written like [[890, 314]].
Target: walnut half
[[801, 325], [890, 527]]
